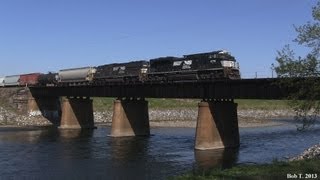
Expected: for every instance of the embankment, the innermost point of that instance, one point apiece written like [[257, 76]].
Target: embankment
[[158, 118]]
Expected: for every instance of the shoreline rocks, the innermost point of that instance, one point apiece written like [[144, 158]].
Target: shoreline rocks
[[11, 118], [158, 117], [188, 117], [310, 153]]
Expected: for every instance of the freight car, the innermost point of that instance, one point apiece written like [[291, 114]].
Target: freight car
[[193, 67], [1, 81], [76, 76], [50, 79], [130, 72], [11, 80], [29, 79]]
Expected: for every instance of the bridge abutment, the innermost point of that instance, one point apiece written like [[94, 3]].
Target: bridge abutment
[[217, 125], [46, 107], [77, 113], [130, 118]]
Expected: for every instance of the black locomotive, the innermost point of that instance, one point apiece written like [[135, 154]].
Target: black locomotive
[[49, 79], [130, 72], [193, 67]]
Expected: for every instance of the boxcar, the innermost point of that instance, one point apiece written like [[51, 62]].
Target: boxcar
[[76, 75], [1, 81], [49, 79], [11, 80], [29, 79], [122, 72]]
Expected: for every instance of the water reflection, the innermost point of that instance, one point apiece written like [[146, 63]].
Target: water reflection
[[75, 133], [20, 135], [74, 143], [36, 135], [219, 158], [126, 149]]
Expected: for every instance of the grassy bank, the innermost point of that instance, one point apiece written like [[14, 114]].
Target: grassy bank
[[102, 104], [307, 169], [262, 104]]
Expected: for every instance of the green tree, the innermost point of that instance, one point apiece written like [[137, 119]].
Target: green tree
[[301, 75], [309, 34]]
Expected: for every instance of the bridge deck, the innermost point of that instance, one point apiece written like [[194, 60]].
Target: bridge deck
[[223, 89]]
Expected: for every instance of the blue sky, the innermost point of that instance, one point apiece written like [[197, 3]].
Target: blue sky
[[48, 35]]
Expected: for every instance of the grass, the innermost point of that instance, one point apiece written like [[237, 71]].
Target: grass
[[262, 104], [103, 104], [172, 103], [276, 170]]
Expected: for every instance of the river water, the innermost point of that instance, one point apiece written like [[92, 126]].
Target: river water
[[49, 153]]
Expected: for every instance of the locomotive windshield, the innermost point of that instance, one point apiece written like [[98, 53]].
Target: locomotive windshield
[[230, 64]]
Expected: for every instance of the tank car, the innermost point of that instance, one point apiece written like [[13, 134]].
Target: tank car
[[130, 72], [50, 79], [1, 81], [11, 80], [203, 66], [29, 79], [76, 76]]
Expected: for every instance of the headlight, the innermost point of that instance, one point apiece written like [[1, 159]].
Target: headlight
[[228, 63], [144, 70]]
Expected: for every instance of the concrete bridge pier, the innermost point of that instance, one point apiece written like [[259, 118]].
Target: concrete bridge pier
[[77, 113], [130, 118], [45, 107], [217, 125]]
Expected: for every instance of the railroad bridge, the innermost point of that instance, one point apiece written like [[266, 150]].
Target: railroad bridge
[[217, 122]]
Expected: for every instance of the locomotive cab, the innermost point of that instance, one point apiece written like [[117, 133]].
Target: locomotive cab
[[144, 71], [230, 67]]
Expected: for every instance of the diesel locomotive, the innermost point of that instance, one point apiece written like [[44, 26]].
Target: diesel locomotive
[[131, 72], [208, 66], [194, 67]]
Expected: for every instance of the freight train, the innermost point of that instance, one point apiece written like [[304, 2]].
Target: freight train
[[193, 67]]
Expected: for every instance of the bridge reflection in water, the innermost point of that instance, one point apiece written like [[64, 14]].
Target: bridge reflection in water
[[125, 149], [215, 158]]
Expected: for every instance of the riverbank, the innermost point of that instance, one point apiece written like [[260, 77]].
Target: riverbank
[[304, 166], [184, 112], [160, 118], [304, 169]]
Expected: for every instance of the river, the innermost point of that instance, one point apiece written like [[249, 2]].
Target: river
[[49, 153]]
